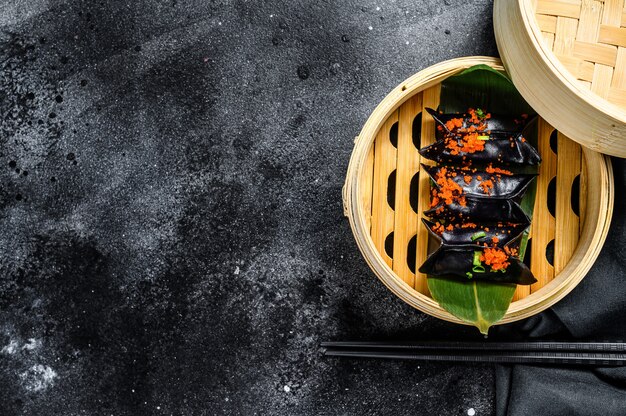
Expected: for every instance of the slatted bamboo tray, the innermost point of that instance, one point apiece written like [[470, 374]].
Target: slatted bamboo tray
[[379, 218], [568, 60]]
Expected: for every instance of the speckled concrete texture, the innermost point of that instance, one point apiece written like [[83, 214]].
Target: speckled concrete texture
[[171, 230]]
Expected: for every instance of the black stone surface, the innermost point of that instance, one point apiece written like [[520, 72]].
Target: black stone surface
[[171, 231]]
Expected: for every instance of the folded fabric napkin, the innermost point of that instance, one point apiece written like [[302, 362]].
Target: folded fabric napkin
[[596, 311]]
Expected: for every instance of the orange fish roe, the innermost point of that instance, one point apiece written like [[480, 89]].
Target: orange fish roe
[[438, 228], [469, 143], [448, 190], [454, 123], [473, 117], [468, 225], [491, 169], [510, 251], [467, 179], [487, 186], [495, 258], [477, 116], [435, 200], [450, 227], [495, 239]]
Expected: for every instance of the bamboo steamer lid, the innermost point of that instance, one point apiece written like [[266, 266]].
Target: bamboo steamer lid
[[568, 60]]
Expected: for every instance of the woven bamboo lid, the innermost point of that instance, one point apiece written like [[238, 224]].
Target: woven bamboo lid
[[568, 59]]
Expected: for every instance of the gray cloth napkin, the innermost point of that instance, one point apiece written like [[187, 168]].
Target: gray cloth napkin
[[596, 311]]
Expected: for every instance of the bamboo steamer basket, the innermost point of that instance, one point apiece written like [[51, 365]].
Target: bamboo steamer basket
[[575, 238], [568, 60]]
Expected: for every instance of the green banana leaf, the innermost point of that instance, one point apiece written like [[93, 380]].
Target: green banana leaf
[[482, 303]]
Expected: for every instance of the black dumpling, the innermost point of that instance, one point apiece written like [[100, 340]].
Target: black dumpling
[[506, 145], [484, 210], [504, 186], [503, 151], [507, 235], [497, 125], [454, 262]]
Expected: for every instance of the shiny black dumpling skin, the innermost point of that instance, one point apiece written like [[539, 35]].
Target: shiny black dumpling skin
[[504, 186], [480, 209], [508, 235], [454, 262], [497, 150], [497, 125]]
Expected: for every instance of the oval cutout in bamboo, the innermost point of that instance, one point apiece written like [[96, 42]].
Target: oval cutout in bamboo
[[578, 240], [568, 60]]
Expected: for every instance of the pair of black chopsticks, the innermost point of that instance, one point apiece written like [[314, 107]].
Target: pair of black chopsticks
[[552, 352]]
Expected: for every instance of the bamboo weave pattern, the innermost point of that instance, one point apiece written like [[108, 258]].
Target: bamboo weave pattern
[[589, 38]]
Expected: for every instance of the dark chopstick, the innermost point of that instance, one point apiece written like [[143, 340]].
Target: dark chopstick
[[550, 352], [485, 346], [508, 358]]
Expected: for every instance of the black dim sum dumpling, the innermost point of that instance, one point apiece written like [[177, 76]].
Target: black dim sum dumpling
[[480, 138], [455, 200], [458, 262], [500, 235], [493, 182], [480, 209], [497, 125], [514, 150]]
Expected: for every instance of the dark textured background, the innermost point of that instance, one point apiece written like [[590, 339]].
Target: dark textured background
[[171, 227]]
